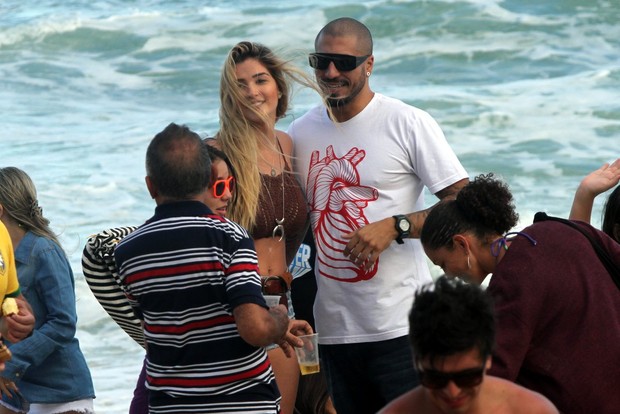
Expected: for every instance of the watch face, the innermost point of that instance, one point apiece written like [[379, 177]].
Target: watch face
[[404, 225]]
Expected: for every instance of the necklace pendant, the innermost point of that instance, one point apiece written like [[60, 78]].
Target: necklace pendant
[[278, 229], [273, 172]]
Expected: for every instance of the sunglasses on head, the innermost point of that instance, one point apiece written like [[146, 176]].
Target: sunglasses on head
[[463, 379], [220, 186], [344, 63]]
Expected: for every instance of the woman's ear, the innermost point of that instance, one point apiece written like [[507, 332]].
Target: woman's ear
[[459, 241]]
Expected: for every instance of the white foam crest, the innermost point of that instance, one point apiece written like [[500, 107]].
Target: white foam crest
[[395, 50], [545, 99], [134, 20], [39, 30], [103, 73], [212, 34], [563, 37], [513, 103], [299, 36], [108, 187], [531, 165], [494, 9], [98, 74], [190, 41]]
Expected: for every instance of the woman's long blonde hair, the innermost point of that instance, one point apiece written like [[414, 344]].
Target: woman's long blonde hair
[[238, 136], [18, 196]]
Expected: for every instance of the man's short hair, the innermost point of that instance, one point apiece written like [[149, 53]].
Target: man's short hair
[[347, 26], [177, 162], [450, 317]]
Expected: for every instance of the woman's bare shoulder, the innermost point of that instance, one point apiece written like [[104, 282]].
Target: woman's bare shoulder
[[286, 142]]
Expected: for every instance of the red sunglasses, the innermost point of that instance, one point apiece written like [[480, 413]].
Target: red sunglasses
[[220, 187]]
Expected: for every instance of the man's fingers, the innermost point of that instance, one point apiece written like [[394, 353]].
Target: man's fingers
[[287, 349]]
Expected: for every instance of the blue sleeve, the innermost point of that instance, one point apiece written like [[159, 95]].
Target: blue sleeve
[[53, 283]]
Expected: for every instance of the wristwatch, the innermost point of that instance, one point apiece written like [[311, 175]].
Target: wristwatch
[[403, 226]]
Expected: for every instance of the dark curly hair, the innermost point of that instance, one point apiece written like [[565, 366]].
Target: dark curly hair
[[484, 207], [217, 154], [449, 317]]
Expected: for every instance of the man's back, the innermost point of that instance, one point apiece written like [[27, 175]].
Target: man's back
[[184, 271]]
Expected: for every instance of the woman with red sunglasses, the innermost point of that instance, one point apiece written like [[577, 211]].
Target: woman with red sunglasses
[[222, 186]]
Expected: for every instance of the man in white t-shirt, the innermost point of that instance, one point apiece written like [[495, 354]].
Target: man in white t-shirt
[[364, 171]]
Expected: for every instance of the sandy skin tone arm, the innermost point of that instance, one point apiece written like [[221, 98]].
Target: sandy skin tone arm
[[592, 185], [260, 327]]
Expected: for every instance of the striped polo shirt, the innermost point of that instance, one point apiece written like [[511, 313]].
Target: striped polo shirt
[[184, 271]]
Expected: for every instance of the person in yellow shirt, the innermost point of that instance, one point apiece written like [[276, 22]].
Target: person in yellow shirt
[[9, 286], [19, 325]]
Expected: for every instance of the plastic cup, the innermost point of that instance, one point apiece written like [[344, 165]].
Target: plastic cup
[[308, 355], [272, 300]]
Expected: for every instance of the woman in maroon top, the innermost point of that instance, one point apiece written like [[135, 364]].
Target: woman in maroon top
[[557, 307]]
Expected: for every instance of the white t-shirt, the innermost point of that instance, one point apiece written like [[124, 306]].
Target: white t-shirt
[[370, 167]]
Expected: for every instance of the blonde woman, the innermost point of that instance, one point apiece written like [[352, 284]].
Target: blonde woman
[[254, 92]]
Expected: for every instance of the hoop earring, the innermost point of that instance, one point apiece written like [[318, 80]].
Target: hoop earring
[[468, 264]]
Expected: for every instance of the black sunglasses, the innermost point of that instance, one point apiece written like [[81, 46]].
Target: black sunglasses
[[344, 63], [463, 379]]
